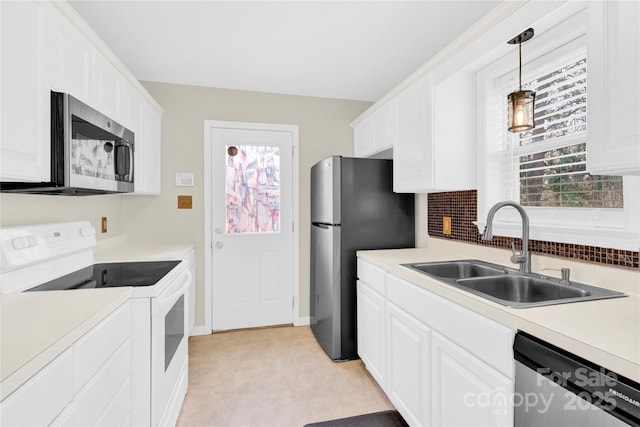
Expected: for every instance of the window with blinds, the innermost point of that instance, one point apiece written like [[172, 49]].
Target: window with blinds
[[552, 156]]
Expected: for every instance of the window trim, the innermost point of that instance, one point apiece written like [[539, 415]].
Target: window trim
[[610, 228]]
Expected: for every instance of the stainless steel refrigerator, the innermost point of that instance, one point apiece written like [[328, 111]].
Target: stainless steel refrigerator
[[353, 207]]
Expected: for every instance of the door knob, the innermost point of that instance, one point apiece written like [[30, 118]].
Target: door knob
[[219, 245]]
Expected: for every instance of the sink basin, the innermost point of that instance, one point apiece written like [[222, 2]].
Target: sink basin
[[457, 269], [507, 286], [523, 289]]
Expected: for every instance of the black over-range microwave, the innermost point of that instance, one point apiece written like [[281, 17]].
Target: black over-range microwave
[[90, 153]]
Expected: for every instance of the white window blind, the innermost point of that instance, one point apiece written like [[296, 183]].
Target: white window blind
[[551, 158]]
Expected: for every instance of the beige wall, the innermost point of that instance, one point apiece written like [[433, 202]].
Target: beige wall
[[323, 130], [23, 209]]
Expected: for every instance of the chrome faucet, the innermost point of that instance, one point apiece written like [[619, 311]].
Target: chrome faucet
[[524, 257]]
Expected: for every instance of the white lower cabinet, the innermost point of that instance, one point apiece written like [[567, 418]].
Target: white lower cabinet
[[408, 383], [371, 312], [50, 391], [465, 390], [88, 384], [438, 362]]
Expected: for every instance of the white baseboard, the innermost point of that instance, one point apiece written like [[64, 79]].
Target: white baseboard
[[303, 321], [199, 330]]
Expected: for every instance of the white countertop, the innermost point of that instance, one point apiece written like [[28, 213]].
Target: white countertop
[[36, 327], [606, 332]]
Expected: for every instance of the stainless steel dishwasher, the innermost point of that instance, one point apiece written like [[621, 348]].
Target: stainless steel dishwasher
[[557, 388]]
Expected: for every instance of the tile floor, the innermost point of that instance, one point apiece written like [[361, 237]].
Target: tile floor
[[272, 377]]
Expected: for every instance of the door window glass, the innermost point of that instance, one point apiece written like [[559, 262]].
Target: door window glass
[[252, 189]]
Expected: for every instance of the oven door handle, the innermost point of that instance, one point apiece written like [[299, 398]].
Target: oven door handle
[[161, 301]]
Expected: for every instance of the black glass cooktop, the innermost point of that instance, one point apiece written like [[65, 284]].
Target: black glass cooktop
[[111, 275]]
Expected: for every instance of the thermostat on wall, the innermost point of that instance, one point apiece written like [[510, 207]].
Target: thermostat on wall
[[184, 179]]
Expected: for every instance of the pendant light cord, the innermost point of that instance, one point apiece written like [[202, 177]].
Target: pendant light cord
[[520, 67]]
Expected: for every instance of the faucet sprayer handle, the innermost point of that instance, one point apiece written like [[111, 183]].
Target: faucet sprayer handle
[[516, 258]]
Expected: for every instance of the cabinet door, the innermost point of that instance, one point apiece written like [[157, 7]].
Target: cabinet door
[[376, 133], [466, 391], [108, 88], [384, 127], [408, 382], [613, 104], [371, 332], [148, 151], [413, 147], [39, 401], [454, 133], [72, 59], [25, 102], [363, 137]]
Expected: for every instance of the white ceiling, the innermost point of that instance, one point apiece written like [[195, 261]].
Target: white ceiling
[[336, 49]]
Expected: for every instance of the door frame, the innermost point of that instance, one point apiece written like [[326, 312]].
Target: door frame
[[208, 208]]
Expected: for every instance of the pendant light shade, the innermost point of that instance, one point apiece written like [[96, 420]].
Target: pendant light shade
[[521, 109], [521, 103]]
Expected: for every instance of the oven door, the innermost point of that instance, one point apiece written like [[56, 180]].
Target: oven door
[[169, 344]]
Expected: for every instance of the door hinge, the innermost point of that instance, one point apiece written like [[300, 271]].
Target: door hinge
[[293, 303]]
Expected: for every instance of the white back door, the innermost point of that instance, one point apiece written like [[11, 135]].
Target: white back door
[[252, 221]]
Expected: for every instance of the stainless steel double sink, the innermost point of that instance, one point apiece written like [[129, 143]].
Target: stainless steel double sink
[[510, 287]]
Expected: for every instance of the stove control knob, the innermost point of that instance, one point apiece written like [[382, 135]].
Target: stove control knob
[[87, 231], [24, 242]]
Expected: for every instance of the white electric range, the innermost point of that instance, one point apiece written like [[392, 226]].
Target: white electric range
[[49, 257]]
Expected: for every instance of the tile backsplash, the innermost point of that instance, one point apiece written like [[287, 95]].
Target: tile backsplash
[[461, 206]]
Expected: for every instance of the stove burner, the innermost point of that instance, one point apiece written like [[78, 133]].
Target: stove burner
[[111, 275]]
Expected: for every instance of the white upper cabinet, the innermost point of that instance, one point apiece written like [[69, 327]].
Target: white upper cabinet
[[435, 136], [108, 89], [24, 84], [613, 104], [43, 49], [412, 150], [147, 173], [72, 59], [375, 134]]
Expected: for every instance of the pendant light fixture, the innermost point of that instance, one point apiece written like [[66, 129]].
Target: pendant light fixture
[[521, 102]]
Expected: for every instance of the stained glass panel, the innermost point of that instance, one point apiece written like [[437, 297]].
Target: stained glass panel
[[252, 189]]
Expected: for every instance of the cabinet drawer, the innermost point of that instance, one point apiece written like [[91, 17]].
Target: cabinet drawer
[[372, 276], [486, 339], [95, 398], [119, 409], [39, 401], [95, 348]]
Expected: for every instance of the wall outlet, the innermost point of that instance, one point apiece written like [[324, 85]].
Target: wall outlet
[[185, 202], [446, 225], [103, 226]]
